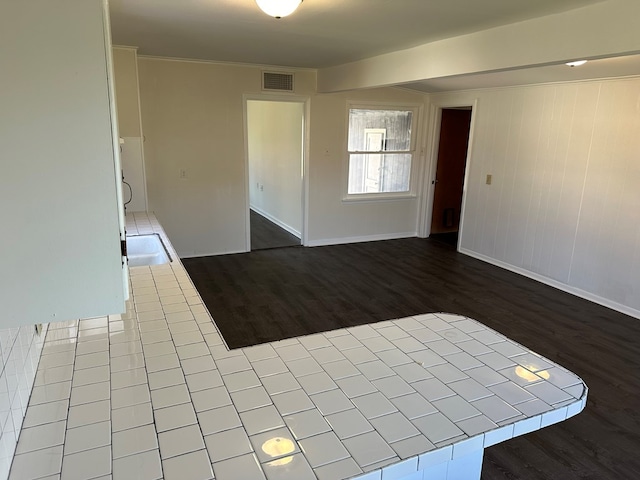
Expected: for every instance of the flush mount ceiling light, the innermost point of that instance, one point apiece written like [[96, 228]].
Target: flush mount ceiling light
[[577, 63], [278, 8]]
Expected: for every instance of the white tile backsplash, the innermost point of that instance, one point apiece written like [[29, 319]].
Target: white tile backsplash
[[20, 350]]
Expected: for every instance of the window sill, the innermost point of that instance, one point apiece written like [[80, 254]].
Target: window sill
[[378, 197]]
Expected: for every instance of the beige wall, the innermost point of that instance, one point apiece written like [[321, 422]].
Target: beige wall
[[193, 121], [125, 66], [127, 98], [563, 206], [564, 203], [332, 220]]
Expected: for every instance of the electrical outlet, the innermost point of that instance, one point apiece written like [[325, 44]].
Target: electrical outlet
[[489, 177], [261, 188], [183, 173]]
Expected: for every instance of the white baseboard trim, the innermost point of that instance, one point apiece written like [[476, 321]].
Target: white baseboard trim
[[365, 238], [273, 219], [605, 302], [195, 255]]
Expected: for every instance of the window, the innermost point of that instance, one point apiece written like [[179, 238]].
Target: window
[[380, 149]]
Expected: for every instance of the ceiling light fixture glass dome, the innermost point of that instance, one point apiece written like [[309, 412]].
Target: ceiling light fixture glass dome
[[278, 8]]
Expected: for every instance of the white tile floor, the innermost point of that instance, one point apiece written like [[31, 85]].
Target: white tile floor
[[154, 393]]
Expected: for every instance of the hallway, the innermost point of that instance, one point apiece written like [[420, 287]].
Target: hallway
[[265, 234]]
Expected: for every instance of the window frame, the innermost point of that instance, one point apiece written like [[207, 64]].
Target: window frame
[[416, 118]]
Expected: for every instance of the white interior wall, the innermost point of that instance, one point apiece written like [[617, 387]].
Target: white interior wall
[[125, 66], [550, 213], [58, 185], [134, 174], [274, 138], [56, 127], [193, 116], [332, 220], [563, 206], [125, 70], [193, 121]]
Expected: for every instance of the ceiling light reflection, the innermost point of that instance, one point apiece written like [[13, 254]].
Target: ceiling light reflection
[[278, 446], [529, 376], [281, 461]]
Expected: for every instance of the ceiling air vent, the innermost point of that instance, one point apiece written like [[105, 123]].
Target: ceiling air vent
[[282, 82]]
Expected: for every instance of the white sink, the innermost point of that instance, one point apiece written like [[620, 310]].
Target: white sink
[[146, 250]]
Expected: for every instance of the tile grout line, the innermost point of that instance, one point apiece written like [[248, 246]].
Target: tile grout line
[[330, 353]]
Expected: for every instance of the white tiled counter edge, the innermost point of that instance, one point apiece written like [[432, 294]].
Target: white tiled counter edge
[[155, 393]]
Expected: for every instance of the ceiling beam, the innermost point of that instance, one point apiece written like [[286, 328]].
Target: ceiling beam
[[605, 29]]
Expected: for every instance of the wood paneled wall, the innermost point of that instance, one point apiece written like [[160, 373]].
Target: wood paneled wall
[[564, 203]]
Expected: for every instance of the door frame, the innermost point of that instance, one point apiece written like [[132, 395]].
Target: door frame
[[267, 97], [115, 139], [425, 208]]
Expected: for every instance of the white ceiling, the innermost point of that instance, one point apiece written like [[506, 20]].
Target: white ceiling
[[324, 33], [601, 68], [320, 33]]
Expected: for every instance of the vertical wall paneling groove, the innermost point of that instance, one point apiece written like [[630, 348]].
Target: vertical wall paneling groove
[[584, 183], [563, 206]]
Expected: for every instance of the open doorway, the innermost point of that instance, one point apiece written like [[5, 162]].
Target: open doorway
[[275, 150], [455, 125]]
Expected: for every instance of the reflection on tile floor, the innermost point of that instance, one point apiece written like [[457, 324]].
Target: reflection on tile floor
[[154, 393]]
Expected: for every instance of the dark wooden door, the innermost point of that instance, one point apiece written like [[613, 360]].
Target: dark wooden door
[[452, 157]]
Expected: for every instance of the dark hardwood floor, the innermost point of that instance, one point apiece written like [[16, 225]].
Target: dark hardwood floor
[[261, 296], [450, 238], [266, 234]]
